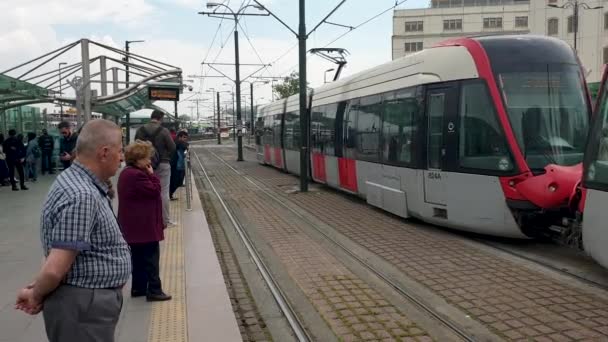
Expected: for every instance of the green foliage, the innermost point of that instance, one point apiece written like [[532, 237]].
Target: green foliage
[[289, 86]]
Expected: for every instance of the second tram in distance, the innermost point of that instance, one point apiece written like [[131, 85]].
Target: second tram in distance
[[477, 134]]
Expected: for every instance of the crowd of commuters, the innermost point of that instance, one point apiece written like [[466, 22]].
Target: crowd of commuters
[[89, 252], [20, 160]]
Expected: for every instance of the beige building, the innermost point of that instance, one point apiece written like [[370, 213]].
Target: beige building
[[415, 29]]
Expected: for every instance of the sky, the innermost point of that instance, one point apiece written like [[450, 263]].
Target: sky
[[176, 34]]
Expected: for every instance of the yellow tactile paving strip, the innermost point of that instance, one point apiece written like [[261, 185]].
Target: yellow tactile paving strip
[[168, 320]]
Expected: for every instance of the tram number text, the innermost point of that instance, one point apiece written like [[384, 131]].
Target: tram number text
[[434, 175]]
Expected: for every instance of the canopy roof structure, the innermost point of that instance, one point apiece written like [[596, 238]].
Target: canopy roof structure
[[86, 85]]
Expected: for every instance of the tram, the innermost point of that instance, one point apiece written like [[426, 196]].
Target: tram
[[594, 197], [482, 134]]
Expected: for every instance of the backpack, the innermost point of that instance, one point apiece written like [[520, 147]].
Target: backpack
[[155, 160]]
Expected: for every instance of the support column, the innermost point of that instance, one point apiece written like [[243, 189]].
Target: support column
[[251, 130], [104, 75], [115, 80], [86, 80], [219, 125]]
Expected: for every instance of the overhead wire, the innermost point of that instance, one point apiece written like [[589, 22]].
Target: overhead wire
[[365, 22], [397, 3]]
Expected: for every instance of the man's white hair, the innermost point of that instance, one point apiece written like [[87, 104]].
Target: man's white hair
[[95, 134]]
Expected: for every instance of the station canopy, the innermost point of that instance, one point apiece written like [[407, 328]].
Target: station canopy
[[102, 76]]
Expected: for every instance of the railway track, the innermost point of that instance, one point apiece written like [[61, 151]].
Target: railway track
[[403, 291], [290, 315]]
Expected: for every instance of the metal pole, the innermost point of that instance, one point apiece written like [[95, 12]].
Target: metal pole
[[86, 81], [575, 23], [188, 183], [219, 133], [251, 105], [128, 115], [304, 126], [115, 80], [60, 93], [238, 92], [232, 121], [104, 75]]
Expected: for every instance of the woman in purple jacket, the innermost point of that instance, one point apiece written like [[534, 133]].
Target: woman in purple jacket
[[140, 218]]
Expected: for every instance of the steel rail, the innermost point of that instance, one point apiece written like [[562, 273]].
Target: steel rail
[[294, 322], [400, 289]]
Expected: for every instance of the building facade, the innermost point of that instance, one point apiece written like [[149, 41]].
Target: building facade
[[415, 29]]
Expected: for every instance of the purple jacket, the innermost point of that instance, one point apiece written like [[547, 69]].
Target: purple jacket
[[139, 206]]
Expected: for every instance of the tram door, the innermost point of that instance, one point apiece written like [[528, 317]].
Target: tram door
[[440, 101]]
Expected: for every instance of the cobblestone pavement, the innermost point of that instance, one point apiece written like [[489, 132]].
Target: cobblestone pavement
[[250, 322], [351, 308], [514, 301]]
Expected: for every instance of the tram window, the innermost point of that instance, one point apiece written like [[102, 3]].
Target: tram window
[[398, 126], [482, 144], [288, 131], [597, 171], [368, 114], [329, 129], [277, 130], [316, 121], [350, 129]]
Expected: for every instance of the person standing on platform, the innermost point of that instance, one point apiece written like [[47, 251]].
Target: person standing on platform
[[47, 145], [15, 157], [32, 155], [3, 166], [160, 138], [67, 144], [178, 163], [140, 213], [79, 288]]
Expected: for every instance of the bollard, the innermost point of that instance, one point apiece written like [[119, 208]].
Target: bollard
[[187, 172]]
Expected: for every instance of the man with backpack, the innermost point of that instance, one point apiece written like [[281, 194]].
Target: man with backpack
[[160, 138]]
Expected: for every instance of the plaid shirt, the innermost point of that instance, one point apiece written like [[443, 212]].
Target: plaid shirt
[[78, 215]]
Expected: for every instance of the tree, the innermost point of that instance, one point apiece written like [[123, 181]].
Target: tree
[[185, 117], [290, 86]]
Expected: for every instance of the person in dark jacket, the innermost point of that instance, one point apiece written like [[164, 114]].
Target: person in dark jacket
[[3, 166], [15, 157], [67, 144], [178, 162], [141, 220], [46, 144], [162, 142]]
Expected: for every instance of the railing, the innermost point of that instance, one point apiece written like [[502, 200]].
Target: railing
[[188, 177]]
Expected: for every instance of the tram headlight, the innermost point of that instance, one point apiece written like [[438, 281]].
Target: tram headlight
[[552, 187]]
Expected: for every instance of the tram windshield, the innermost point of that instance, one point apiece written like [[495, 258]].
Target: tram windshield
[[548, 112], [596, 171]]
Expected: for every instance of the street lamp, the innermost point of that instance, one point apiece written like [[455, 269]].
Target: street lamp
[[575, 7], [237, 82], [325, 74], [126, 59], [61, 92]]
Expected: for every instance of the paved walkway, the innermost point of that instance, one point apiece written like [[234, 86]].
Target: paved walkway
[[200, 309]]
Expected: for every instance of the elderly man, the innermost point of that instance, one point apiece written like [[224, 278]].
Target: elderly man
[[87, 260]]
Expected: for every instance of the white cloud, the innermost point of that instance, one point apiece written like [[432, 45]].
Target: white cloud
[[27, 27]]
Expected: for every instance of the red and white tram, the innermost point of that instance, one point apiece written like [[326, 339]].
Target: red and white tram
[[595, 182], [477, 134]]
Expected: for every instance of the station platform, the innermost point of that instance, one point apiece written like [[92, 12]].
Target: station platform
[[199, 311]]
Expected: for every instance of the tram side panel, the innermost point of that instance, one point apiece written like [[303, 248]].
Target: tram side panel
[[595, 233]]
